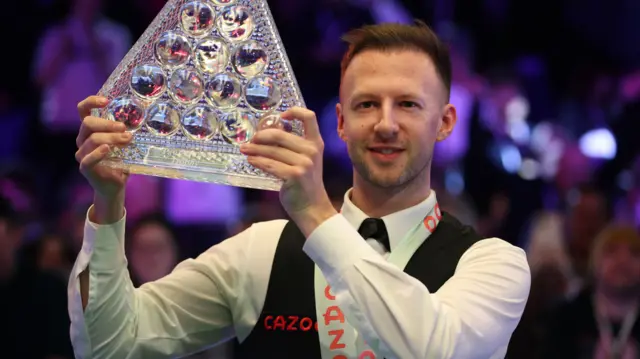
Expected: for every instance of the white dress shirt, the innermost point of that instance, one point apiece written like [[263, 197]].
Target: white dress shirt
[[221, 293]]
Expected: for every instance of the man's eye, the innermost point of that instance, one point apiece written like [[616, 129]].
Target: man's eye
[[366, 104], [408, 104]]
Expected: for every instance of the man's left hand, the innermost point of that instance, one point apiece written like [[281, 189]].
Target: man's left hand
[[298, 161]]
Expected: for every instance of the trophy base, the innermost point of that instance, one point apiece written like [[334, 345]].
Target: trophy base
[[193, 165]]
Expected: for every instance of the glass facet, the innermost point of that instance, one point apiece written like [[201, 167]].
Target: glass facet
[[274, 121], [197, 18], [211, 55], [250, 59], [238, 127], [148, 81], [199, 122], [235, 23], [186, 86], [163, 119], [224, 91], [262, 93], [173, 49], [127, 110]]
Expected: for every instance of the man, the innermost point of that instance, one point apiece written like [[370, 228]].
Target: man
[[363, 283], [601, 322]]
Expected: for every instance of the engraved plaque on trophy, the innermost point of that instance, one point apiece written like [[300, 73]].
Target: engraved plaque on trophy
[[201, 80]]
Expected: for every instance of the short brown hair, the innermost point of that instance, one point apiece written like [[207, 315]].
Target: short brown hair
[[391, 36], [614, 234]]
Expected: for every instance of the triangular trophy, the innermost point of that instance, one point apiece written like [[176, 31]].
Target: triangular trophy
[[203, 77]]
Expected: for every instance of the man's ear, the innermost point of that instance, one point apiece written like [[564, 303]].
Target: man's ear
[[449, 119], [340, 117]]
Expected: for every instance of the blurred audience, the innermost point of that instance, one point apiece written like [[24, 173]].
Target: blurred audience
[[563, 241], [32, 294], [601, 322]]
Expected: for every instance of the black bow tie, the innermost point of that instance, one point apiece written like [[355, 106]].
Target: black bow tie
[[375, 228]]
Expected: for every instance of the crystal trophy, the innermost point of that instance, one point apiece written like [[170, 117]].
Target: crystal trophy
[[202, 79]]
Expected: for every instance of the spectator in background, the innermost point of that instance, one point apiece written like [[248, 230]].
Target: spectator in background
[[51, 254], [588, 215], [153, 249], [601, 322], [73, 59], [564, 240], [54, 255], [33, 328]]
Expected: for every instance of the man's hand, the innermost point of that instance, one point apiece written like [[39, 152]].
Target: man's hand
[[94, 140], [297, 161]]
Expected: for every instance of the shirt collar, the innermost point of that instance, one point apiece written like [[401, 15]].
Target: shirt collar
[[398, 224]]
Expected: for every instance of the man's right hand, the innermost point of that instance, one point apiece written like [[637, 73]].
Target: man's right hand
[[94, 140]]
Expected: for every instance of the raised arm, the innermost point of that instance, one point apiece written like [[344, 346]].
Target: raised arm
[[471, 316], [110, 318], [176, 315]]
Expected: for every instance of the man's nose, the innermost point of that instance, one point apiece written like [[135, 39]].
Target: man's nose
[[387, 125]]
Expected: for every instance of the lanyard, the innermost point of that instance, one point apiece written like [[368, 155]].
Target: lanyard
[[338, 337], [605, 329]]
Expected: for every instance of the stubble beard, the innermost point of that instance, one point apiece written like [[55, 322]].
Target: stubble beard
[[409, 174]]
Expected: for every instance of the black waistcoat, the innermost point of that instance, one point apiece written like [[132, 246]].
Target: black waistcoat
[[286, 327]]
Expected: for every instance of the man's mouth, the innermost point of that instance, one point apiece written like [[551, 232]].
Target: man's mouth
[[386, 150], [385, 153]]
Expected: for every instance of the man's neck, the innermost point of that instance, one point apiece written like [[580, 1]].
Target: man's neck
[[378, 202], [615, 307]]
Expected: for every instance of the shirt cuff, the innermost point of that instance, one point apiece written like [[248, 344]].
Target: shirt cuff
[[103, 245], [335, 245]]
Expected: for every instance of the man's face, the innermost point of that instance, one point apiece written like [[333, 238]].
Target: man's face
[[393, 108], [618, 270]]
